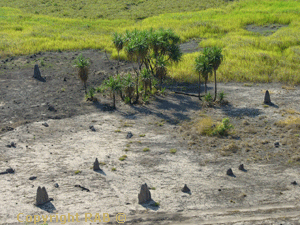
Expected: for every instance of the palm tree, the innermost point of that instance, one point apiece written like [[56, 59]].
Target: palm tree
[[115, 84], [119, 43], [203, 67], [215, 58], [83, 69]]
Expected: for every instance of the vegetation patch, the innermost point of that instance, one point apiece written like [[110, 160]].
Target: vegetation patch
[[146, 149], [229, 149]]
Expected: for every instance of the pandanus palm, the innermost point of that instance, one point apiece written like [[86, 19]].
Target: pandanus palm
[[203, 68], [215, 58], [115, 85], [83, 69], [118, 41]]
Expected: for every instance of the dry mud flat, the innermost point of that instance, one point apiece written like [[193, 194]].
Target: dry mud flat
[[263, 194]]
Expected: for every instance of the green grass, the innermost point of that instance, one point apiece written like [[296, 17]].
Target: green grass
[[108, 9], [173, 150], [33, 26], [77, 171], [123, 157], [146, 149]]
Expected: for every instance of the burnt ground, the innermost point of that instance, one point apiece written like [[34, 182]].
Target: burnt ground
[[263, 194]]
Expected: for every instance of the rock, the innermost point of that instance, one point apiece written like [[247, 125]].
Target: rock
[[51, 108], [267, 97], [56, 185], [65, 79], [185, 189], [41, 196], [241, 167], [45, 124], [37, 73], [229, 172], [13, 144], [10, 170], [144, 195], [294, 183], [32, 178], [92, 128], [276, 144], [129, 135], [96, 165]]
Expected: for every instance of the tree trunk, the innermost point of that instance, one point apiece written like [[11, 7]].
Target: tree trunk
[[118, 62], [114, 100], [85, 87], [199, 86], [215, 73]]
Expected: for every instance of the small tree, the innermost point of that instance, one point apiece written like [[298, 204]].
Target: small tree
[[203, 67], [128, 84], [118, 41], [137, 49], [83, 69], [115, 85], [215, 57], [146, 77]]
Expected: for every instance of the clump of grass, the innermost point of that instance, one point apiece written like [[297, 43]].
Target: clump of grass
[[156, 204], [288, 88], [113, 169], [118, 131], [248, 84], [229, 149], [127, 145], [127, 125], [205, 126], [102, 163], [290, 121], [126, 149], [123, 157], [78, 171], [173, 150], [142, 135], [146, 149], [153, 188]]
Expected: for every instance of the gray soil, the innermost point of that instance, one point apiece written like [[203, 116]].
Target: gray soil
[[265, 30], [261, 194]]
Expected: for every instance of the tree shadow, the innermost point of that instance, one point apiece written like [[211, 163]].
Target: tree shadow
[[151, 204], [48, 207], [229, 110]]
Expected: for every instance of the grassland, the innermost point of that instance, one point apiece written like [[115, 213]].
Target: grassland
[[249, 56]]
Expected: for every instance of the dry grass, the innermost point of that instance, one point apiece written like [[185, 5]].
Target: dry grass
[[288, 88], [229, 149], [291, 121], [205, 125]]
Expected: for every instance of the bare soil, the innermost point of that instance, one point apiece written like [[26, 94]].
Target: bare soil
[[64, 152]]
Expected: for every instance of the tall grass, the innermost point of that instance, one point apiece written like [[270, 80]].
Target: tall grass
[[248, 55]]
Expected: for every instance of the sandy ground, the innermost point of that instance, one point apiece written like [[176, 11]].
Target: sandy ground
[[263, 194]]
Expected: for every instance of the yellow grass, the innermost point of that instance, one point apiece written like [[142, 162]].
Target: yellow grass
[[249, 57]]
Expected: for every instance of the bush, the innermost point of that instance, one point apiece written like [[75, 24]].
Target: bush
[[208, 97], [223, 128], [222, 95]]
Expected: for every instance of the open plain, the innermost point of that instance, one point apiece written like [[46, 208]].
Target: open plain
[[63, 152]]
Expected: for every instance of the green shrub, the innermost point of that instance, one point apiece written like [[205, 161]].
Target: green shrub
[[208, 97], [223, 128], [222, 95]]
